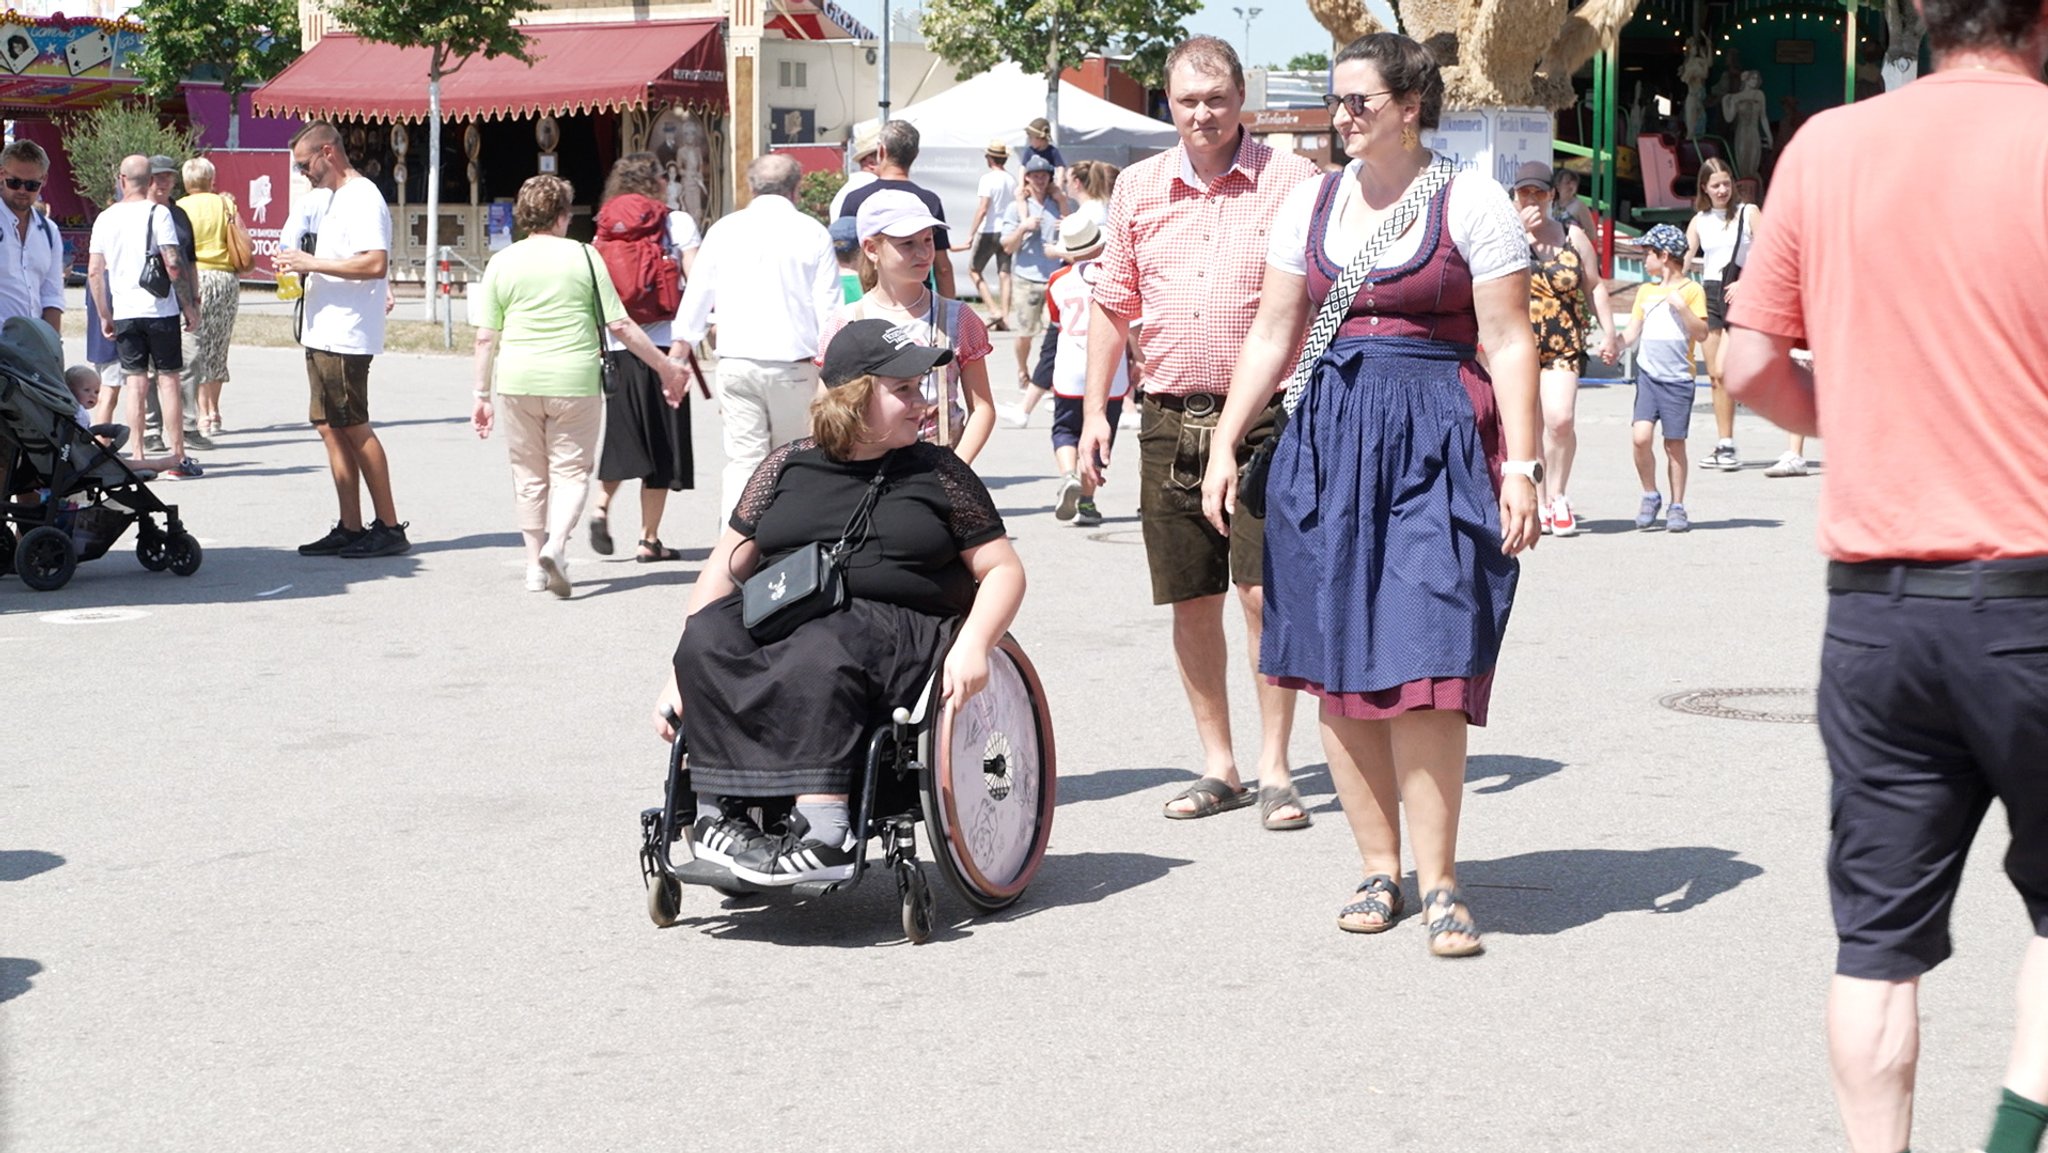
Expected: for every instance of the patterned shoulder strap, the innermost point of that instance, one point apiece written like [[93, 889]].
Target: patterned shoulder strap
[[1331, 316]]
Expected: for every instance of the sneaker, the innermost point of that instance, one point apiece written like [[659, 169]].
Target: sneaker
[[555, 570], [1646, 515], [1069, 500], [151, 442], [794, 857], [379, 539], [197, 439], [337, 538], [1724, 457], [722, 839], [185, 469], [1791, 464], [1086, 515], [1676, 520], [1131, 418], [536, 579], [1014, 415], [1562, 522], [1543, 519]]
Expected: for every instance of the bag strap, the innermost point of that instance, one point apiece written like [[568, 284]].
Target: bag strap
[[596, 301], [1741, 222], [149, 234], [1331, 316], [863, 514]]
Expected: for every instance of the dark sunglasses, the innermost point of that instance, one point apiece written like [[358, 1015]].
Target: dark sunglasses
[[1353, 102], [20, 185]]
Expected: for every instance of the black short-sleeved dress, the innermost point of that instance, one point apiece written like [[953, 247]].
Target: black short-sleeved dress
[[792, 717]]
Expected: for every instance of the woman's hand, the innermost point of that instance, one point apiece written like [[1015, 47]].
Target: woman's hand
[[1610, 348], [674, 385], [668, 709], [481, 418], [1728, 288], [1519, 531], [1532, 218], [1219, 490], [965, 674]]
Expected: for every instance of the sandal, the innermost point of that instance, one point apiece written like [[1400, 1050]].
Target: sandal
[[1272, 800], [1211, 796], [1447, 923], [1388, 911], [600, 534], [653, 550]]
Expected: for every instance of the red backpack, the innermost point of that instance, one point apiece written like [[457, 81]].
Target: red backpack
[[632, 237]]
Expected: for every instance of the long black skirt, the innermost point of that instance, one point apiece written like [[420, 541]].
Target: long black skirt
[[794, 716], [644, 439]]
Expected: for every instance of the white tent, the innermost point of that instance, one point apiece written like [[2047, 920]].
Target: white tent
[[954, 129]]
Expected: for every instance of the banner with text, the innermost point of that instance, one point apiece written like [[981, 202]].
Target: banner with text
[[261, 184]]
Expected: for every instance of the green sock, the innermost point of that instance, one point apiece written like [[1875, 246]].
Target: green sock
[[2017, 1126]]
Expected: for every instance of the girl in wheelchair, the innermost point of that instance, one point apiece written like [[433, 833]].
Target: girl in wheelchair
[[924, 546]]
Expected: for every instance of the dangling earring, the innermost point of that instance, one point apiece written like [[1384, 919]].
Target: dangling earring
[[1410, 137]]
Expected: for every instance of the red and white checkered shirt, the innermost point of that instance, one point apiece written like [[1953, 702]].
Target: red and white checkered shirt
[[1191, 260]]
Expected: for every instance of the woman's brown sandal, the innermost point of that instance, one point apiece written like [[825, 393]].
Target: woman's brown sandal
[[1441, 907], [1388, 911]]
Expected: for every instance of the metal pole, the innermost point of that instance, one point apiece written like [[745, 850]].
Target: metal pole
[[885, 62], [1849, 53], [1603, 117], [445, 287], [1609, 159]]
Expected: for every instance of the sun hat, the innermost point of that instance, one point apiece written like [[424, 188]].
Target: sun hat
[[1040, 128], [1079, 234], [997, 150], [893, 212], [878, 348], [1534, 174], [867, 144], [1667, 239]]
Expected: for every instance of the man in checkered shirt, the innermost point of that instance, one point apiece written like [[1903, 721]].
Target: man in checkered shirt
[[1187, 252]]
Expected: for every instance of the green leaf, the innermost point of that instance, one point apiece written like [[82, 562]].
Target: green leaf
[[976, 35], [97, 140], [240, 43], [454, 29]]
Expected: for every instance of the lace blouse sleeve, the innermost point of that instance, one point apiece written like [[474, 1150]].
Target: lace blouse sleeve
[[971, 514], [760, 491]]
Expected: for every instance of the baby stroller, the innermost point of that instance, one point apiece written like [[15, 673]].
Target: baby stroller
[[88, 494]]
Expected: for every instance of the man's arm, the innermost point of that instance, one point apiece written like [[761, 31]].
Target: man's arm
[[942, 268], [184, 281], [53, 280], [693, 315], [1760, 373], [1107, 334], [974, 227], [96, 283]]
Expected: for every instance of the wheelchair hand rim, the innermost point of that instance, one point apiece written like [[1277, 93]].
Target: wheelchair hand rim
[[943, 805]]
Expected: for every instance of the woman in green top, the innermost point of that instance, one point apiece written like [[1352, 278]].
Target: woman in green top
[[538, 311]]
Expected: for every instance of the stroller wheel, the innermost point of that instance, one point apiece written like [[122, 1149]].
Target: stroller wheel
[[154, 552], [45, 559], [185, 554]]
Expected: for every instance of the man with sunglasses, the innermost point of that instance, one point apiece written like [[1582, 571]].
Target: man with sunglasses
[[32, 252]]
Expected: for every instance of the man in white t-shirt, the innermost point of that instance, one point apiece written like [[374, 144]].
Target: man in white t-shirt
[[143, 325], [346, 291], [985, 234]]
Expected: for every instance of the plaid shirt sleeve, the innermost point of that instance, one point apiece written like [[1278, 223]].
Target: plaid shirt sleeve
[[1116, 284]]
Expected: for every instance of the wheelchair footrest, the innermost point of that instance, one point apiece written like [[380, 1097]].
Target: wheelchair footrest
[[706, 873]]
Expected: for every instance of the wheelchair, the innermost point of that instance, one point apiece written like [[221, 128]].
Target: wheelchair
[[982, 781]]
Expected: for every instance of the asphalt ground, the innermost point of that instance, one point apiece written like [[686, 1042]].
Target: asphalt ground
[[340, 855]]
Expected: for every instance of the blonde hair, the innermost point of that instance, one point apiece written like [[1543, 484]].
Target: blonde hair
[[839, 417], [198, 174], [542, 200]]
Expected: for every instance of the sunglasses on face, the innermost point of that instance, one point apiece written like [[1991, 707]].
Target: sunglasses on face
[[1353, 102], [20, 185]]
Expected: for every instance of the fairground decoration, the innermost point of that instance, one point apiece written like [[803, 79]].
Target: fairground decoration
[[64, 64]]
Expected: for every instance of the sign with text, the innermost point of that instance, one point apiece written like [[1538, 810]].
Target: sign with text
[[260, 183], [1495, 141]]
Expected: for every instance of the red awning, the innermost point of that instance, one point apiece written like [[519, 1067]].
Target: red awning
[[577, 68]]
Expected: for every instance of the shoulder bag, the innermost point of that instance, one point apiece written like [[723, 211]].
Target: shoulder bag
[[241, 251], [155, 278], [607, 372], [1251, 481], [810, 582]]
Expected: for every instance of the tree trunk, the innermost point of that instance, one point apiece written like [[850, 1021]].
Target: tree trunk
[[1052, 75], [433, 166]]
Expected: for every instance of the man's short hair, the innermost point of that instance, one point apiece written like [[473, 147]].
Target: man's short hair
[[1208, 55], [899, 143], [1959, 25], [317, 133], [774, 175], [27, 152]]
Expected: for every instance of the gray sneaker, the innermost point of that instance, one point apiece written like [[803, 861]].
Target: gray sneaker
[[1086, 514], [1724, 457], [1676, 520], [1069, 499], [197, 439], [1647, 514]]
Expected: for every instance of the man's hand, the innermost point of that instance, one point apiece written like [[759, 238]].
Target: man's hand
[[1094, 449], [675, 385], [191, 319], [107, 327]]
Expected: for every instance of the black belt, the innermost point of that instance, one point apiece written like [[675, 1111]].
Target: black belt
[[1195, 403], [1962, 581]]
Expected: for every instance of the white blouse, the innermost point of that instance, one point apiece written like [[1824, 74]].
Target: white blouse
[[1481, 216], [1717, 240]]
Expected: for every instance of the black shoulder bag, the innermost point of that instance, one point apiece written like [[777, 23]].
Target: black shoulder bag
[[608, 374], [810, 582], [1733, 268], [155, 279]]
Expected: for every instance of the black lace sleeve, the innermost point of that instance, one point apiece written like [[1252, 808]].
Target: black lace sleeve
[[971, 514], [760, 491]]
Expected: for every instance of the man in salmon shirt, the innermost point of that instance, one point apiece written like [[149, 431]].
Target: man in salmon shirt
[[1930, 383]]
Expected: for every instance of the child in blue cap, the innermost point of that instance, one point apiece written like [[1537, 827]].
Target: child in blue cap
[[1669, 318]]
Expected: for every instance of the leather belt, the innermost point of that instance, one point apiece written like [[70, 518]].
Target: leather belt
[[1965, 580], [1193, 403]]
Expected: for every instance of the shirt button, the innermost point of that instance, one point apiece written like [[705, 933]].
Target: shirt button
[[1375, 320]]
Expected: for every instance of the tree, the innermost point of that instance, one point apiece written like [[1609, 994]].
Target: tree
[[1308, 62], [96, 141], [241, 43], [1055, 35], [452, 31]]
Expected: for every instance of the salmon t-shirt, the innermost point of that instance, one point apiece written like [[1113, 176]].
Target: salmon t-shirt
[[1905, 238]]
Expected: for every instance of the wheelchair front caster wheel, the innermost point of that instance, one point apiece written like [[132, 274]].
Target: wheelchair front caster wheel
[[917, 903], [664, 901]]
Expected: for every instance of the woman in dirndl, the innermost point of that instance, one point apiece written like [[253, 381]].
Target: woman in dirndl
[[1406, 482]]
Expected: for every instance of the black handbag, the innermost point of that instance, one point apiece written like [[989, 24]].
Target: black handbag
[[1251, 480], [155, 279], [608, 373], [810, 582]]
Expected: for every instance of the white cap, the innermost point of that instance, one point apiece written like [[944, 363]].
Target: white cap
[[894, 213]]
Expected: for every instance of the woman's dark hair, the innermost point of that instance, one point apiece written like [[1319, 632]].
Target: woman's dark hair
[[839, 417], [637, 172], [541, 201], [1407, 68], [1958, 25]]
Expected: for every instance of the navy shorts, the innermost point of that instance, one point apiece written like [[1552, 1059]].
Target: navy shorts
[[1067, 419], [1665, 402], [1929, 708]]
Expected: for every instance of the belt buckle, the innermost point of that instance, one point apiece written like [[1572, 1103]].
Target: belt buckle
[[1200, 404]]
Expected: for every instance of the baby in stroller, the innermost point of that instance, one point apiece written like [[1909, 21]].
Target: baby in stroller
[[84, 382]]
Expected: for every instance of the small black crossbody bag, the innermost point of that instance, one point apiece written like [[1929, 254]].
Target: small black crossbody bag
[[810, 582]]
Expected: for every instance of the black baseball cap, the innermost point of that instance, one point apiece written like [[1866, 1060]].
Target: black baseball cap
[[878, 348]]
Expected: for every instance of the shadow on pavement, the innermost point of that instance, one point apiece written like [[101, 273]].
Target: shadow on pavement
[[1618, 527], [1085, 878], [15, 974], [21, 864], [225, 576], [589, 587], [1103, 784], [1514, 771], [1558, 890], [473, 540]]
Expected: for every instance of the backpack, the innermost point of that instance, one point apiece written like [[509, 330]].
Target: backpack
[[632, 237]]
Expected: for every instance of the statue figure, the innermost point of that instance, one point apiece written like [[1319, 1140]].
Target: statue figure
[[1699, 61], [1748, 111], [693, 162], [1905, 30], [1638, 109]]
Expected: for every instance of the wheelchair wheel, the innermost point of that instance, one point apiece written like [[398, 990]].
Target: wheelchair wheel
[[916, 898], [991, 783], [664, 901]]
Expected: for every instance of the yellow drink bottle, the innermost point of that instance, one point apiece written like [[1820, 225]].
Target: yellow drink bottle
[[289, 286]]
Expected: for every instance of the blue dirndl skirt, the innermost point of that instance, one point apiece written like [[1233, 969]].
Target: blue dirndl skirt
[[1383, 544]]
